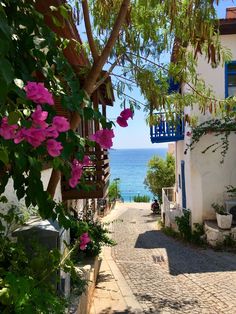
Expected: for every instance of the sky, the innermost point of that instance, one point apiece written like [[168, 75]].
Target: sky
[[137, 134]]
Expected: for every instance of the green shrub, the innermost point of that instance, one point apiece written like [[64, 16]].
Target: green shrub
[[114, 190], [220, 209], [141, 199], [194, 236], [184, 227], [98, 234], [197, 234], [27, 275], [170, 232], [229, 242]]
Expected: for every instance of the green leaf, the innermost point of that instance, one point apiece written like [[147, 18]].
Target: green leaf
[[57, 162], [67, 150], [4, 27], [14, 117], [64, 11], [3, 183], [109, 125], [20, 192], [88, 113], [4, 46], [56, 21], [3, 199], [64, 221], [4, 155], [6, 71], [5, 296], [3, 90]]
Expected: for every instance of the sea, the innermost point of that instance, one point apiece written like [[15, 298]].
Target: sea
[[130, 166]]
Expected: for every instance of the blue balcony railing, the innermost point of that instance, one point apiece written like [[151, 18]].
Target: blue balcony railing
[[167, 131]]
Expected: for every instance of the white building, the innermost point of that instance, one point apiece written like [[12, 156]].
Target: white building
[[200, 178]]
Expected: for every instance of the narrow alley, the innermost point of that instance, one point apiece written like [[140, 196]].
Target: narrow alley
[[148, 272]]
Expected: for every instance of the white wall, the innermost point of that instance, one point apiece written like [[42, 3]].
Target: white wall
[[205, 177], [210, 177], [216, 77], [45, 176]]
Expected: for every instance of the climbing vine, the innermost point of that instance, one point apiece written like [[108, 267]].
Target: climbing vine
[[221, 128]]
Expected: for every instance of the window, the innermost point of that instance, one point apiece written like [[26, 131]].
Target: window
[[179, 181], [230, 79]]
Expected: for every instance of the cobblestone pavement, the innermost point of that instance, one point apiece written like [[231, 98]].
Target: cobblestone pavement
[[167, 276]]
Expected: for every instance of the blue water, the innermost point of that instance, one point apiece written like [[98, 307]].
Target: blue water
[[130, 165]]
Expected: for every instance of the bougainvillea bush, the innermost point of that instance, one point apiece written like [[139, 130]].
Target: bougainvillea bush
[[34, 74]]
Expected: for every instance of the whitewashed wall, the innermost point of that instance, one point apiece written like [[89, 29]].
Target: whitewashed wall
[[205, 177], [45, 176]]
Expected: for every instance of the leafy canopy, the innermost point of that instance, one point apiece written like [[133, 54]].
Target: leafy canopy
[[152, 29]]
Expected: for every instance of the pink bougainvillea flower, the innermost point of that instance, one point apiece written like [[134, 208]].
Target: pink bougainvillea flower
[[84, 240], [7, 131], [73, 182], [51, 132], [34, 136], [39, 116], [77, 170], [54, 148], [122, 122], [86, 161], [61, 124], [103, 138], [38, 93], [19, 136], [126, 113], [76, 173]]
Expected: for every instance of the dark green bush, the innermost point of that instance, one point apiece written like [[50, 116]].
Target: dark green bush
[[197, 234]]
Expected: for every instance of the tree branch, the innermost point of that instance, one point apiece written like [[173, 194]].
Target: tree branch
[[124, 78], [98, 65], [89, 33], [133, 99], [53, 182], [106, 75]]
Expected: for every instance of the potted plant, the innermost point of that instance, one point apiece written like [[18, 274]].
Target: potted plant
[[224, 219]]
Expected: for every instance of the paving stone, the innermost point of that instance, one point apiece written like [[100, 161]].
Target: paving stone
[[167, 276]]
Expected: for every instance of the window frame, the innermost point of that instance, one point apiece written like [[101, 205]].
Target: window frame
[[226, 76]]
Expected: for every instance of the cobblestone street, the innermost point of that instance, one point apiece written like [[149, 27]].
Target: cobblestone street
[[167, 276]]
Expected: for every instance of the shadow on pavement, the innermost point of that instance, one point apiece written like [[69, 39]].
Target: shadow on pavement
[[127, 311], [183, 258], [173, 304], [151, 220], [104, 277]]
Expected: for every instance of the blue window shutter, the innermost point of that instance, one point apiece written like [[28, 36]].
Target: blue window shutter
[[227, 73]]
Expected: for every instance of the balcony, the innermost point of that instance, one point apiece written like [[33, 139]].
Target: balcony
[[95, 179], [167, 131]]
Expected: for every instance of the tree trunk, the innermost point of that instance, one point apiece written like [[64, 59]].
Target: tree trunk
[[91, 80]]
